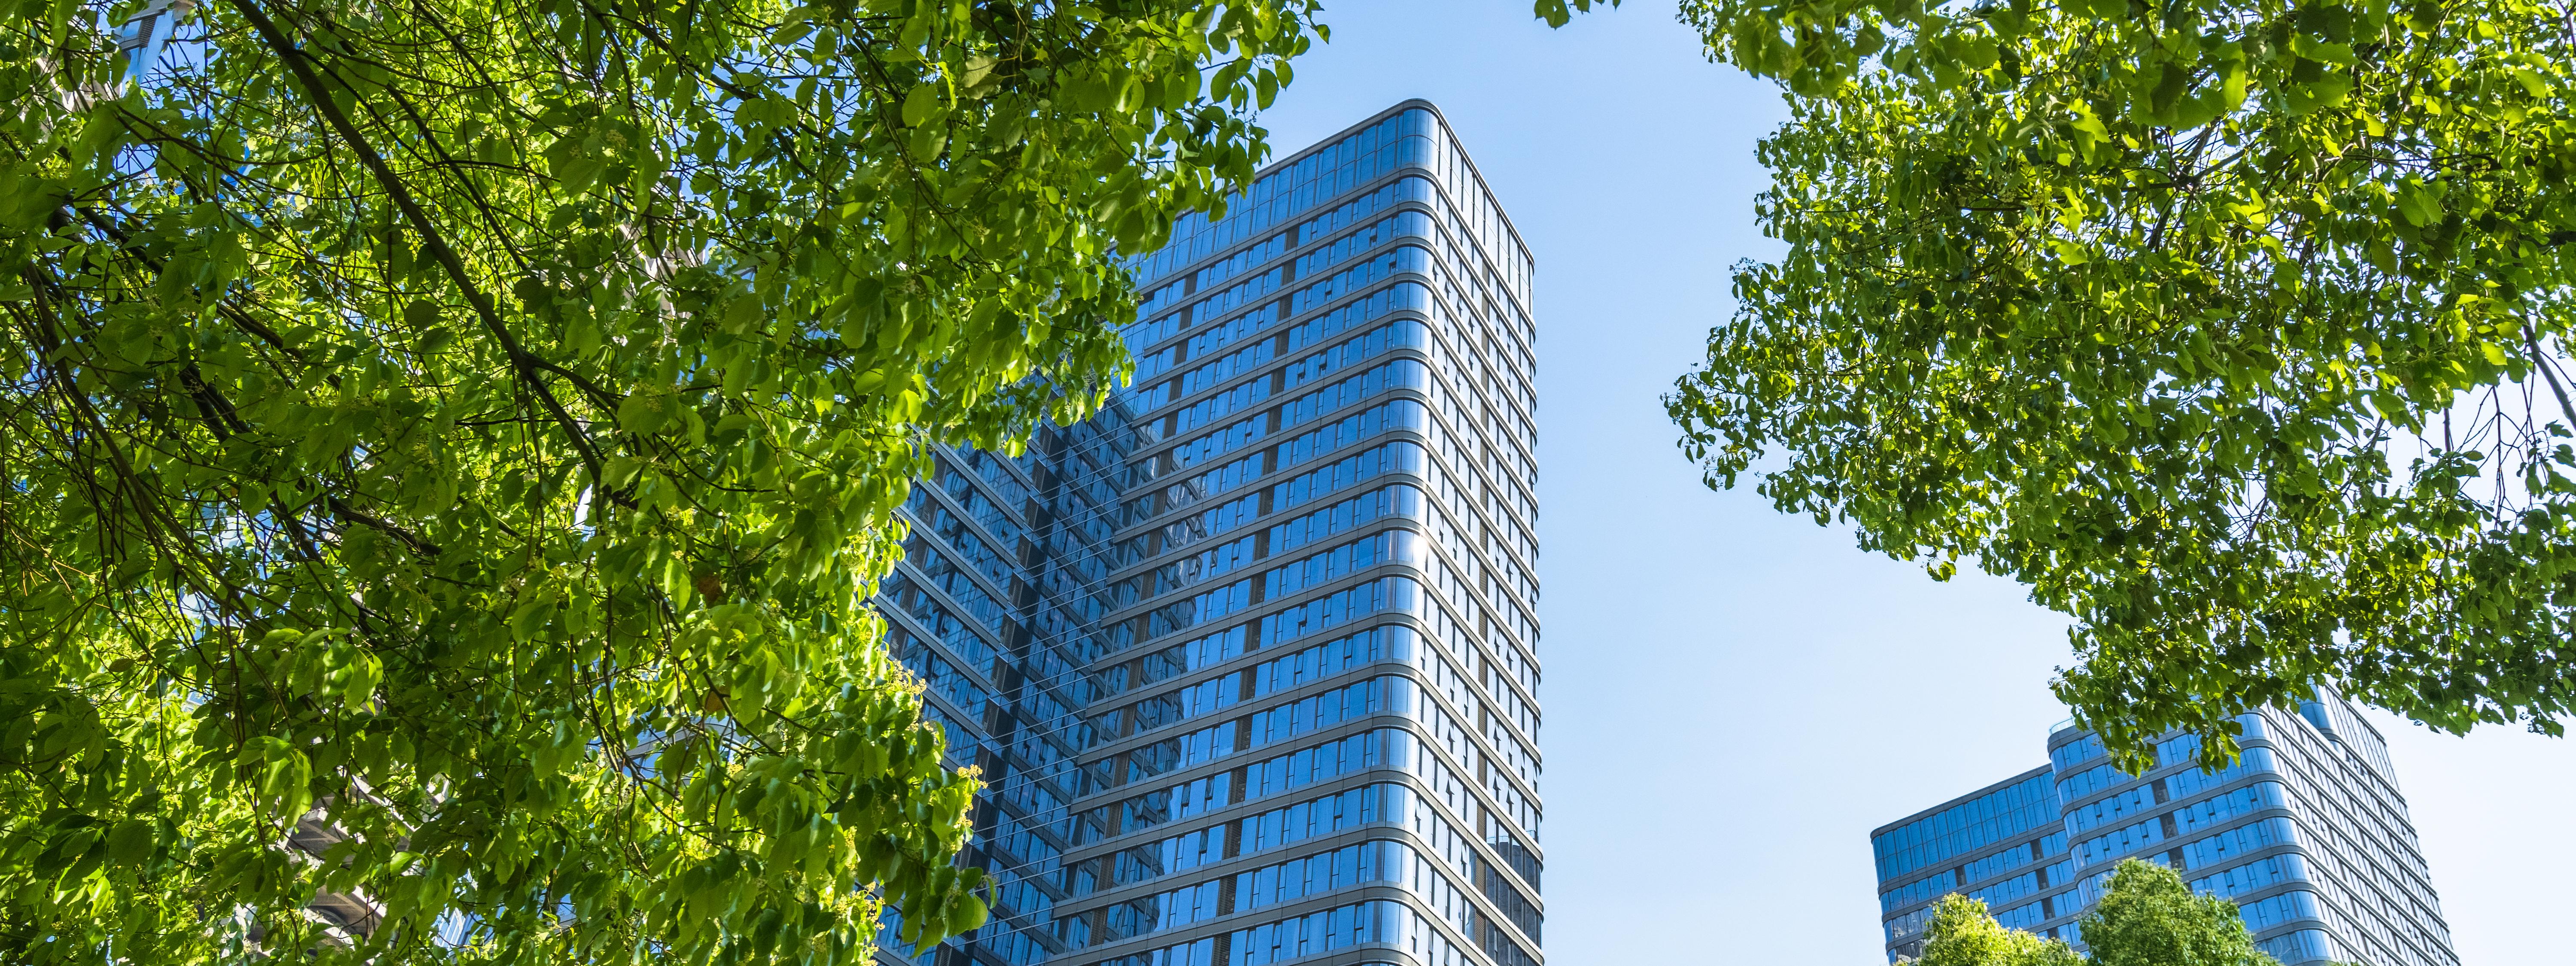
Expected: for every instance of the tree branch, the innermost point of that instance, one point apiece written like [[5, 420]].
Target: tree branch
[[431, 238], [2549, 375]]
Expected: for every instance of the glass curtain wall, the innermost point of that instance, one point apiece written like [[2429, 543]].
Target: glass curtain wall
[[1250, 662], [2306, 831]]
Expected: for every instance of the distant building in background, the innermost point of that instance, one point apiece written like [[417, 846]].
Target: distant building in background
[[1249, 662], [2307, 832]]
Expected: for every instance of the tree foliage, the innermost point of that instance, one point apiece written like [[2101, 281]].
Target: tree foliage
[[2147, 917], [446, 448], [1962, 933], [2236, 329]]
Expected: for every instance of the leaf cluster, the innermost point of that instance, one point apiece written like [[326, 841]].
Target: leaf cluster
[[446, 450], [2147, 917], [2236, 329], [1962, 933]]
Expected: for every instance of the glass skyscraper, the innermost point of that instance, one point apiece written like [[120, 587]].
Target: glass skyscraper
[[2307, 832], [1248, 663]]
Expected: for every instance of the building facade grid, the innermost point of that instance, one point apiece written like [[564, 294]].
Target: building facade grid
[[2306, 831], [1249, 662]]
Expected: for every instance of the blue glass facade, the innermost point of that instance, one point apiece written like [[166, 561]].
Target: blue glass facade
[[2306, 831], [1249, 662]]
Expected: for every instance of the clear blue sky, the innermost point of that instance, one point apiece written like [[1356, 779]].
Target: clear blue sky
[[1735, 698]]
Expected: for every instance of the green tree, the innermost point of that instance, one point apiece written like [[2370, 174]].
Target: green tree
[[2147, 917], [2236, 329], [446, 448], [1961, 933]]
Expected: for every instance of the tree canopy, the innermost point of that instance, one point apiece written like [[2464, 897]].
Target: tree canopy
[[2235, 329], [446, 448], [1963, 933], [2147, 917]]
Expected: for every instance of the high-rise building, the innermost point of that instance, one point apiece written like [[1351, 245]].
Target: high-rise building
[[1249, 663], [2306, 831]]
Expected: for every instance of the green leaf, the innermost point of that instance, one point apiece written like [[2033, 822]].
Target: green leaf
[[421, 315], [131, 843], [644, 412], [920, 105], [2419, 203]]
